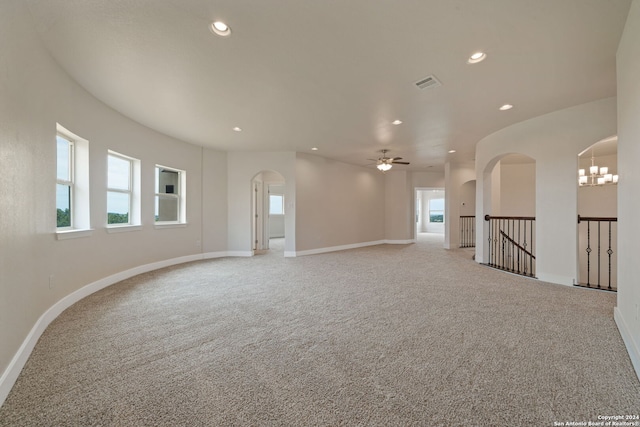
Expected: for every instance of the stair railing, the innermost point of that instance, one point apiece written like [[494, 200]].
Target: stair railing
[[511, 244]]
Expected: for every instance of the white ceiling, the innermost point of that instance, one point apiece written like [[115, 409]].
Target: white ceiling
[[334, 74]]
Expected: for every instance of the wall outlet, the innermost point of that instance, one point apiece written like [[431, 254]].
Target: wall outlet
[[51, 281]]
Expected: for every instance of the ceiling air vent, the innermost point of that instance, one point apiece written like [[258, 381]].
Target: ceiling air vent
[[429, 81]]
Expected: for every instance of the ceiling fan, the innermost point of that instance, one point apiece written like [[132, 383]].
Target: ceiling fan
[[385, 163]]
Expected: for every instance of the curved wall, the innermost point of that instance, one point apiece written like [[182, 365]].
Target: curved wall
[[36, 270]]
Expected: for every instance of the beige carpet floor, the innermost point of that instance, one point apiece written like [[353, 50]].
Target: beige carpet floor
[[390, 335]]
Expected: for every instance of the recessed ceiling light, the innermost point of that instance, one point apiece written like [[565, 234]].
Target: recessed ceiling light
[[314, 149], [237, 129], [506, 107], [477, 57], [397, 122], [452, 151], [220, 28]]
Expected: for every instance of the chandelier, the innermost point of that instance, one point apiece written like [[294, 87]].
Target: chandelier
[[597, 176]]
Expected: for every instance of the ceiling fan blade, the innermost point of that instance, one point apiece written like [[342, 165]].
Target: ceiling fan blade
[[396, 158], [400, 163]]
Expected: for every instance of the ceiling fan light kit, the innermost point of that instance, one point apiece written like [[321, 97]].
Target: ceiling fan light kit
[[385, 163]]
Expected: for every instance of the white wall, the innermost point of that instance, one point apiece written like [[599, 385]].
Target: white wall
[[399, 214], [468, 198], [455, 176], [553, 141], [214, 201], [427, 179], [337, 204], [517, 189], [35, 94], [627, 313]]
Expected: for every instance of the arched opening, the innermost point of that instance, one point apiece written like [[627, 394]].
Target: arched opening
[[268, 210], [510, 214], [597, 215]]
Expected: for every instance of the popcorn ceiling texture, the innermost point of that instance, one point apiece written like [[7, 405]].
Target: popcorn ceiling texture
[[384, 335]]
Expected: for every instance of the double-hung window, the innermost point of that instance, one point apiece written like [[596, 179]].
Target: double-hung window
[[73, 217], [170, 196], [122, 197], [64, 182]]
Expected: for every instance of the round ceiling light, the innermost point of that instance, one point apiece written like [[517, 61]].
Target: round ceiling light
[[220, 28], [396, 122], [477, 57], [506, 107], [237, 129]]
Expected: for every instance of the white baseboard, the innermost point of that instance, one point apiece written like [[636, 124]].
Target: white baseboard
[[338, 248], [210, 255], [554, 278], [351, 246], [627, 337], [400, 242], [239, 253], [10, 375]]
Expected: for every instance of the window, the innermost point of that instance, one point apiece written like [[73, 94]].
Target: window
[[436, 210], [72, 182], [276, 204], [170, 195], [123, 199], [64, 181]]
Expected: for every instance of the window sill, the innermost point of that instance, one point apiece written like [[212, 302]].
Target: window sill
[[73, 234], [162, 225], [122, 228]]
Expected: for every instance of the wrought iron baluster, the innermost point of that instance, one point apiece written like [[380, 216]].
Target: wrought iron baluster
[[524, 245], [519, 251], [588, 254], [530, 258], [599, 237], [609, 252]]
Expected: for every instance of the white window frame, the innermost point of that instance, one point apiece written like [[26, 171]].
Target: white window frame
[[79, 194], [67, 182], [133, 192], [180, 196]]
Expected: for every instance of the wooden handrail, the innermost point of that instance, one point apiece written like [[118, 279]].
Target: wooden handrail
[[516, 244], [523, 218], [596, 218]]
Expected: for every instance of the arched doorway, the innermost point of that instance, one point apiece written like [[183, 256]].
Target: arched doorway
[[509, 220], [268, 209], [597, 215]]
